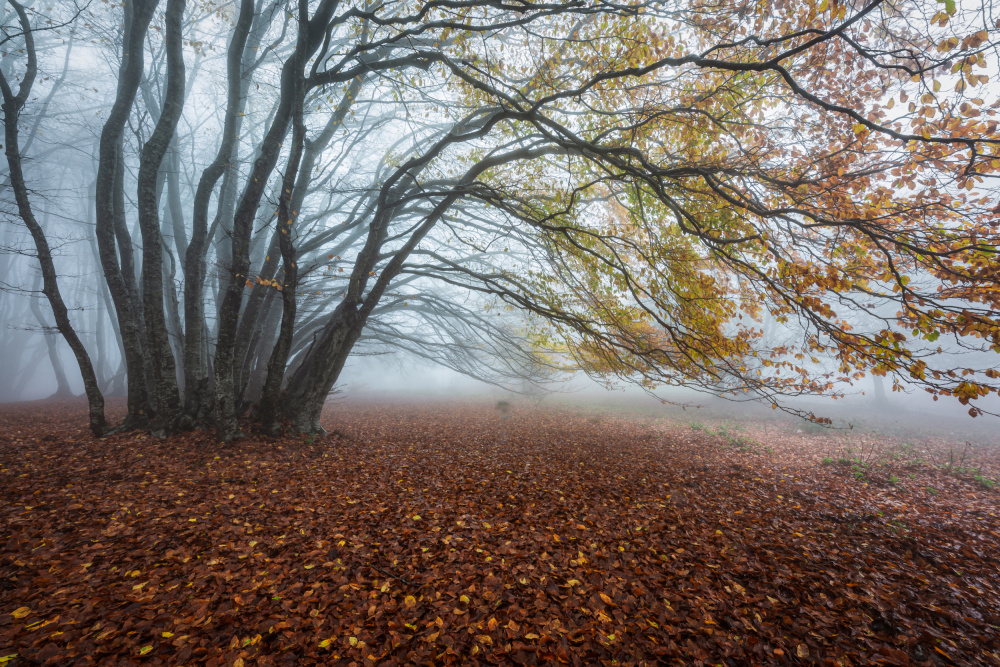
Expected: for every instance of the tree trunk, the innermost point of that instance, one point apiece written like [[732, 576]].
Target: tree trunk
[[62, 383], [226, 401], [197, 396], [110, 211], [12, 105], [153, 152], [286, 225], [881, 401], [313, 379]]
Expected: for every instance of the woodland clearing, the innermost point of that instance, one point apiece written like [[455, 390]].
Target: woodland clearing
[[435, 533]]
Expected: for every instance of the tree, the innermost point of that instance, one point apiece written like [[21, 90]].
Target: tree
[[12, 105], [629, 189]]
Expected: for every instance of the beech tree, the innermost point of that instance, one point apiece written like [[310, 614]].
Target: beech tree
[[631, 189]]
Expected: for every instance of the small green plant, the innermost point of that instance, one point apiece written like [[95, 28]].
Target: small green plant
[[827, 460], [931, 490], [894, 480], [986, 482], [897, 526], [697, 426]]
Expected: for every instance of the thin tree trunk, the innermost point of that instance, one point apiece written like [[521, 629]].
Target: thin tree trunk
[[12, 105], [110, 211], [174, 207], [153, 152], [196, 393], [310, 36], [62, 383], [252, 313], [881, 401], [286, 224], [229, 310]]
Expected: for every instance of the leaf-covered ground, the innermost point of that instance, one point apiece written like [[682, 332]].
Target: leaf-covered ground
[[429, 534]]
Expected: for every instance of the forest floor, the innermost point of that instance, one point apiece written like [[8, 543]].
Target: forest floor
[[459, 532]]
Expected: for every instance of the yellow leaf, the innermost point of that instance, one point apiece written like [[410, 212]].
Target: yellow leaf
[[802, 651], [168, 634], [353, 641], [410, 601], [238, 662], [485, 639], [21, 612], [145, 649], [607, 599], [325, 643], [464, 598], [531, 635]]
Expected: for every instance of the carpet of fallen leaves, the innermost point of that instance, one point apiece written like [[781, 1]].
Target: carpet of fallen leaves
[[439, 533]]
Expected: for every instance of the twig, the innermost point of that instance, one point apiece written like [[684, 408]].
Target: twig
[[389, 574]]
